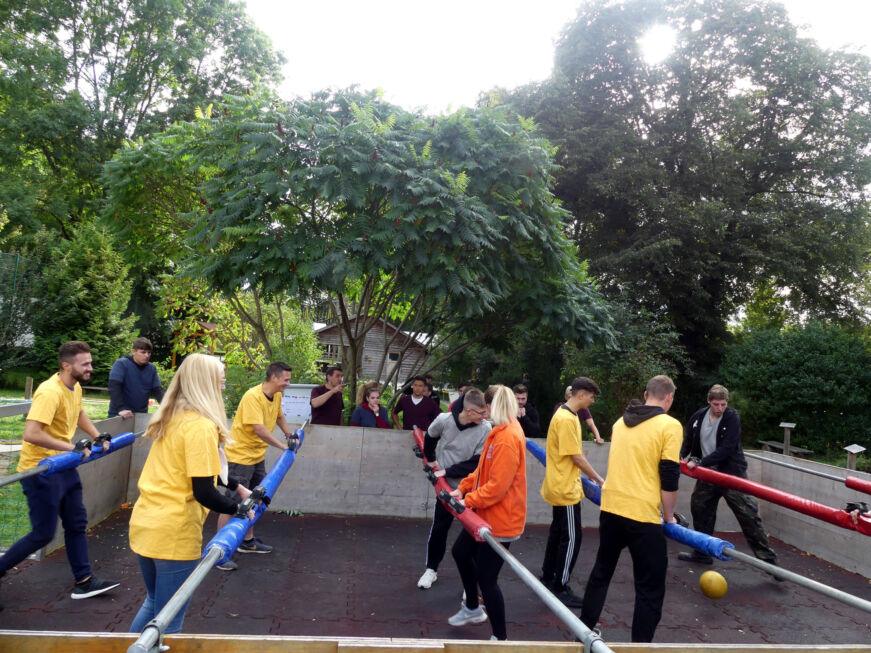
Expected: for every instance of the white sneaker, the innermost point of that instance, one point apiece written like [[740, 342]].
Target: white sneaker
[[466, 616], [429, 577]]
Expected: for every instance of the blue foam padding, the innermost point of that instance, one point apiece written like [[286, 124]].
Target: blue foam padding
[[535, 449], [230, 537], [712, 546], [592, 491], [72, 459], [708, 544]]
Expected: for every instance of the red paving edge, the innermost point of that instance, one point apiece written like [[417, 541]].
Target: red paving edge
[[356, 576]]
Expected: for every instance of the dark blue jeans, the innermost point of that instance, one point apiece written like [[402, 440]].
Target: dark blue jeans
[[50, 497], [162, 579]]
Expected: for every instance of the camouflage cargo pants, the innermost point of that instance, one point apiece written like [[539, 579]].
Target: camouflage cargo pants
[[704, 502]]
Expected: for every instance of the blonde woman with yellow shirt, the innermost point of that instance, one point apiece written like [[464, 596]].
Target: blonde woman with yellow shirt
[[177, 485]]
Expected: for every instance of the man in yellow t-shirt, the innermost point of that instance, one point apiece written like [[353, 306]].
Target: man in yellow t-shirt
[[640, 493], [561, 488], [256, 417], [55, 413]]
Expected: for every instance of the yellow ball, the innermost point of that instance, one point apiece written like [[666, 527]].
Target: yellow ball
[[713, 585]]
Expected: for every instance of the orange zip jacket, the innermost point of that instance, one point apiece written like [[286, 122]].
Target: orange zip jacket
[[496, 490]]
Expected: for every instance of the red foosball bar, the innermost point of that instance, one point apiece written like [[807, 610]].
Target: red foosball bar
[[835, 516], [470, 521]]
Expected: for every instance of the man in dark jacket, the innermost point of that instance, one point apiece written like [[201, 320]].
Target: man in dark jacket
[[132, 381], [528, 415], [712, 438]]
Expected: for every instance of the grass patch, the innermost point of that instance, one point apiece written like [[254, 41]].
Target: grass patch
[[11, 428], [14, 521]]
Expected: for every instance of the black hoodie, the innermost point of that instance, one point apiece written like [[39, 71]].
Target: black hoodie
[[636, 413]]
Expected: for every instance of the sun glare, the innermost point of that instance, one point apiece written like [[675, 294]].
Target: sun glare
[[657, 43]]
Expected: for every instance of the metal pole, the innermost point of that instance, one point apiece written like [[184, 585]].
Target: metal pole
[[781, 463], [592, 641], [14, 478], [774, 570], [151, 636]]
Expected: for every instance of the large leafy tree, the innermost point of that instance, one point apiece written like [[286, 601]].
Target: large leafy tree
[[444, 226], [80, 76], [741, 159]]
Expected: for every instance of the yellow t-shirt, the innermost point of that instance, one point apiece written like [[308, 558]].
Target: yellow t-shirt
[[57, 408], [562, 478], [632, 487], [246, 447], [167, 522]]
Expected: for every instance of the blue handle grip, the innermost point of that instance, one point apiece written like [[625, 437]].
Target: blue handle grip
[[72, 459]]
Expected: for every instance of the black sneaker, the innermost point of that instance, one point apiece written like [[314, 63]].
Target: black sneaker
[[253, 546], [92, 587], [695, 556], [568, 598]]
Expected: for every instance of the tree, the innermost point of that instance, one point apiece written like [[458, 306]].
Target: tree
[[247, 330], [646, 345], [82, 291], [17, 303], [445, 226], [818, 376], [81, 76], [742, 158]]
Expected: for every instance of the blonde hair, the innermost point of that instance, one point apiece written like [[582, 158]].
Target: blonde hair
[[504, 406], [196, 387]]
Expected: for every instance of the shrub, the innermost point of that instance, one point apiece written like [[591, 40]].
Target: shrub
[[818, 376]]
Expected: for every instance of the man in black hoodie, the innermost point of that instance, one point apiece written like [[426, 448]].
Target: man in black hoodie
[[712, 439]]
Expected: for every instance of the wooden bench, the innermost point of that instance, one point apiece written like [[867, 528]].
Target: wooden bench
[[774, 445]]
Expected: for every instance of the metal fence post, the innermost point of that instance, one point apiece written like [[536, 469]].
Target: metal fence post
[[852, 451], [787, 432]]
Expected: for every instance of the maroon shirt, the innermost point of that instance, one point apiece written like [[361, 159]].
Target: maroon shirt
[[331, 411], [420, 416]]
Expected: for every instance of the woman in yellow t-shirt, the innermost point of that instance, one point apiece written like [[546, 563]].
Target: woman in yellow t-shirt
[[177, 484]]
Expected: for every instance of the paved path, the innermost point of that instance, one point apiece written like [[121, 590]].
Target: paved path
[[355, 576]]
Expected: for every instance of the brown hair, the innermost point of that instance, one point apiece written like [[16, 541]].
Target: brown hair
[[521, 389], [718, 392], [69, 350], [584, 383], [142, 343], [363, 390], [474, 397], [660, 386], [369, 390]]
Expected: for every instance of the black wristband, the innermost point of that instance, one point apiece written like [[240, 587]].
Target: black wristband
[[82, 444]]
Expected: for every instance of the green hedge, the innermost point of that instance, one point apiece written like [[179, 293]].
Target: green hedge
[[818, 376]]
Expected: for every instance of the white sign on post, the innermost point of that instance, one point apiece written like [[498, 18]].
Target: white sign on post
[[295, 404]]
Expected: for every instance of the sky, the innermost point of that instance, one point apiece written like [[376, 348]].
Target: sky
[[438, 55]]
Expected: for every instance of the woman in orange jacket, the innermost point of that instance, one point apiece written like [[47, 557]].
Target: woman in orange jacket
[[496, 491]]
